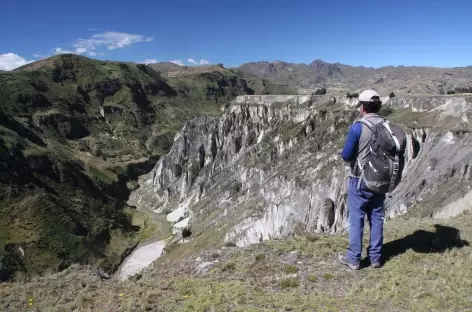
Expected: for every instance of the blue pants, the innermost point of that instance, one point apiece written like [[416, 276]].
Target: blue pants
[[360, 203]]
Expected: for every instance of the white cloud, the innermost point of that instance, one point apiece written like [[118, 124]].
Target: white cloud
[[39, 55], [11, 61], [62, 51], [150, 61], [192, 61], [110, 40], [178, 62], [93, 53], [204, 62], [80, 50]]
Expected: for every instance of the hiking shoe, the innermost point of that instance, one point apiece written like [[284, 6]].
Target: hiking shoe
[[376, 265], [343, 260]]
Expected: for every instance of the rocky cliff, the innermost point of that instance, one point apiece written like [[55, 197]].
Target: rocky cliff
[[270, 167]]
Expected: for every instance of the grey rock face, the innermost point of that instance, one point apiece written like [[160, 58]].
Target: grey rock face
[[271, 165], [437, 178]]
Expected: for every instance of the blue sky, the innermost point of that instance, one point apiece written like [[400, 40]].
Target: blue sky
[[370, 33]]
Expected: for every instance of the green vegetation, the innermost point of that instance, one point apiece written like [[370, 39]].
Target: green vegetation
[[75, 134], [230, 266], [385, 111], [290, 269], [328, 276], [262, 86], [260, 257], [289, 282]]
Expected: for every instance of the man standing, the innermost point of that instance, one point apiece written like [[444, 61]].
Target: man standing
[[360, 200]]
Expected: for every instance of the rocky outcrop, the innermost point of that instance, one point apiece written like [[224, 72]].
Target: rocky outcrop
[[66, 126], [268, 169], [437, 179], [271, 164]]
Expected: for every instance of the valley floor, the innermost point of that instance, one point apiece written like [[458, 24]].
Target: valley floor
[[428, 268]]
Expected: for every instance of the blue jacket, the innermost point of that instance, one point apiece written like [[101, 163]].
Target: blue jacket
[[351, 146]]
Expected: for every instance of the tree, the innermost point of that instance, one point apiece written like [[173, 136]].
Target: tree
[[392, 94], [451, 92]]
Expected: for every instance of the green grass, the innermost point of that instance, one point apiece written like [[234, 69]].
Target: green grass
[[328, 276], [289, 283], [102, 175], [230, 266], [290, 269], [411, 280]]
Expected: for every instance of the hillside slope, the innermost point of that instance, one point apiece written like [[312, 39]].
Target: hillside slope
[[74, 133], [427, 269]]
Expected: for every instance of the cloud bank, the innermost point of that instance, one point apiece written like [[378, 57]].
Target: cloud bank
[[10, 61]]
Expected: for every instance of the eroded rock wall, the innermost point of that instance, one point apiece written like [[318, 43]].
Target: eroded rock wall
[[270, 167]]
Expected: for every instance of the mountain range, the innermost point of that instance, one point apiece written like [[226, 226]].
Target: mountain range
[[341, 78]]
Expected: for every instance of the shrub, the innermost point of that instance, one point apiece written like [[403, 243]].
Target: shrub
[[290, 269], [289, 282], [451, 92], [352, 95], [260, 257], [230, 266], [312, 278], [328, 276], [385, 111], [392, 94]]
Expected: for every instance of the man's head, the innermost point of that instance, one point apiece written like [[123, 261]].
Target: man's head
[[369, 102]]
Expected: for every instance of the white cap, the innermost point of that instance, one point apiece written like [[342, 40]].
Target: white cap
[[367, 95]]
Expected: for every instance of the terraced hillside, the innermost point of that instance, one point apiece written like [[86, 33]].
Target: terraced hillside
[[74, 134]]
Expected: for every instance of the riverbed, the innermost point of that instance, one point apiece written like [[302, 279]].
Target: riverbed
[[141, 258]]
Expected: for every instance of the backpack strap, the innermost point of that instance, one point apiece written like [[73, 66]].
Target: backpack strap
[[367, 123], [397, 143], [370, 126]]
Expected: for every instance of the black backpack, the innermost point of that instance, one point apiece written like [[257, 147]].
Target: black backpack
[[383, 167]]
